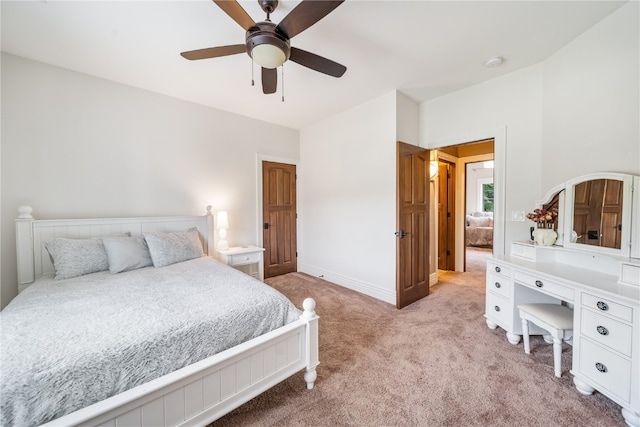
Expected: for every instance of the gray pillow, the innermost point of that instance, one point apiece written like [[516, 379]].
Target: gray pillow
[[169, 248], [126, 253], [76, 257]]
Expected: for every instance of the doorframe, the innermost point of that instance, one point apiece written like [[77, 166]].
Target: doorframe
[[499, 136], [259, 222], [462, 255]]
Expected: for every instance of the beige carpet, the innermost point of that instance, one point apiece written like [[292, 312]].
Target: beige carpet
[[434, 363]]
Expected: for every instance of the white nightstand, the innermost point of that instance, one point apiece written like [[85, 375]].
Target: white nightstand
[[248, 259]]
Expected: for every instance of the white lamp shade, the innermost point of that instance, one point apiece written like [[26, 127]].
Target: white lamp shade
[[222, 220]]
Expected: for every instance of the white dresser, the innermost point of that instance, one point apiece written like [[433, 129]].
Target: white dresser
[[605, 294]]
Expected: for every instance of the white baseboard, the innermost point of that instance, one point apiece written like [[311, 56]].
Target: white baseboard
[[433, 279], [349, 283]]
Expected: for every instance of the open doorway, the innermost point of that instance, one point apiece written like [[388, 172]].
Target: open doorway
[[471, 198], [479, 198]]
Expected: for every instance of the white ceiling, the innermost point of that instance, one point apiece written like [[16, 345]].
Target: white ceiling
[[422, 48]]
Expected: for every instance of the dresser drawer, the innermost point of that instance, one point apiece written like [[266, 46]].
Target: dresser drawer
[[499, 284], [611, 308], [523, 250], [611, 371], [247, 258], [545, 285], [500, 269], [498, 308], [606, 331]]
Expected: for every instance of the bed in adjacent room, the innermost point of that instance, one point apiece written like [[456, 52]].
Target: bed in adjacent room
[[479, 229], [129, 322]]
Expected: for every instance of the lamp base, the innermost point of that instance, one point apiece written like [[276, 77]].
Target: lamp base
[[223, 245]]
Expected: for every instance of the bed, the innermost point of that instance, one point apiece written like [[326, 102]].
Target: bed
[[181, 339], [479, 229]]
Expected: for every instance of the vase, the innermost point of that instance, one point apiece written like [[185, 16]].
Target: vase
[[544, 236]]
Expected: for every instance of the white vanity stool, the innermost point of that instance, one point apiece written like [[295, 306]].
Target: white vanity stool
[[556, 319]]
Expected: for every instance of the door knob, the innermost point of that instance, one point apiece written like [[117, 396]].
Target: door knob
[[401, 234]]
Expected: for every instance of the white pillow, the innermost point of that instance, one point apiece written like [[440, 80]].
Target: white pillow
[[169, 248], [126, 253], [76, 257], [482, 221]]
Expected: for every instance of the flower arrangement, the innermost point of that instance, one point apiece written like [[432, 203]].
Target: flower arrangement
[[543, 216]]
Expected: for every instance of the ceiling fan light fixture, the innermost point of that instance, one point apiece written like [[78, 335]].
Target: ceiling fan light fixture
[[268, 55]]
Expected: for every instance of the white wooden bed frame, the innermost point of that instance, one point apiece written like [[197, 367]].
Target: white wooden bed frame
[[196, 394]]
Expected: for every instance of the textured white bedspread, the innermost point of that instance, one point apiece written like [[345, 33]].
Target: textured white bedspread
[[66, 344]]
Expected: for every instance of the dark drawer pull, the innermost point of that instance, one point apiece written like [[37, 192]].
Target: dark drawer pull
[[498, 269], [498, 285], [496, 308], [538, 283], [600, 367], [602, 305], [602, 330]]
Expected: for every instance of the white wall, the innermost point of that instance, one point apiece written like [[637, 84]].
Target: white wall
[[475, 171], [79, 146], [591, 111], [574, 113], [514, 102], [407, 119], [347, 220]]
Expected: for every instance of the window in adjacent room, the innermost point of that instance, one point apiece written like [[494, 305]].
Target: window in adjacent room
[[485, 192]]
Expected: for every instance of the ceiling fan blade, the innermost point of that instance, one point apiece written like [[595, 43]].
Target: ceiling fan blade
[[305, 14], [269, 80], [316, 62], [236, 12], [214, 52]]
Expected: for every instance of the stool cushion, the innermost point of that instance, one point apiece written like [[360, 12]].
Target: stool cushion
[[556, 315]]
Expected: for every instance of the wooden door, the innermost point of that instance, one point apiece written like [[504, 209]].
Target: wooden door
[[279, 217], [611, 228], [581, 212], [412, 248], [446, 216]]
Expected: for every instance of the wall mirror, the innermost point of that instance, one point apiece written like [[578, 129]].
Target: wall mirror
[[598, 213], [555, 198]]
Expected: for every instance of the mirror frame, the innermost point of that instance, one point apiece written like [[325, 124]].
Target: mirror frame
[[627, 202], [560, 191], [635, 214]]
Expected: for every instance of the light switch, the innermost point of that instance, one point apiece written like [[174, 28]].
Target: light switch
[[517, 216]]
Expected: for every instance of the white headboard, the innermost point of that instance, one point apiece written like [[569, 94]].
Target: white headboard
[[33, 258]]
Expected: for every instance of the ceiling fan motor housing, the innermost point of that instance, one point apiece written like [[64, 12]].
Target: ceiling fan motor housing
[[265, 34]]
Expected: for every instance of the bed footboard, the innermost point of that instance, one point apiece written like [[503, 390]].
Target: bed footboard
[[205, 391]]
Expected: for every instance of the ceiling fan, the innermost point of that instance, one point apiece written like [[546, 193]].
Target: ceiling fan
[[269, 44]]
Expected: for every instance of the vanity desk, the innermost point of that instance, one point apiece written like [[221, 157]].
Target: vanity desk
[[604, 290]]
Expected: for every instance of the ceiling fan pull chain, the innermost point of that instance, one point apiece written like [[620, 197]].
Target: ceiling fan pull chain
[[253, 83], [282, 71]]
